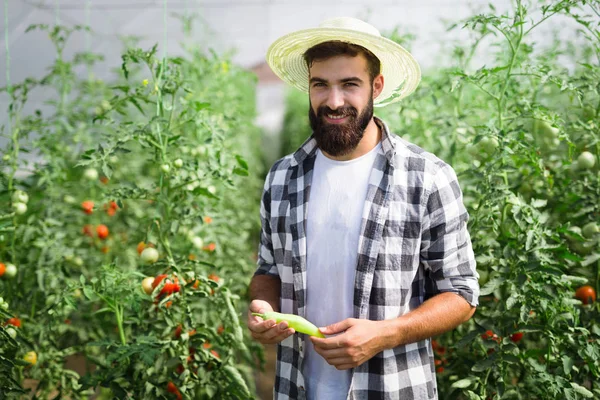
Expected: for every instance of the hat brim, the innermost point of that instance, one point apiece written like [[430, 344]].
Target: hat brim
[[399, 68]]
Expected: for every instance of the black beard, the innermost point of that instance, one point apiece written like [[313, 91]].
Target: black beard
[[339, 140]]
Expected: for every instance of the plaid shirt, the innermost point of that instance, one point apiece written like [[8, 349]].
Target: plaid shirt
[[413, 244]]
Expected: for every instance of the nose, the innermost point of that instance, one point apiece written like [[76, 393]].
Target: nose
[[335, 98]]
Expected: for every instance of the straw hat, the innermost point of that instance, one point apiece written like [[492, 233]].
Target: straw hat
[[400, 70]]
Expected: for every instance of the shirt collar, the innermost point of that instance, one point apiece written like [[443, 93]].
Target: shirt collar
[[309, 147]]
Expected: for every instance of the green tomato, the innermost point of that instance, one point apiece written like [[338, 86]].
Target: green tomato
[[20, 196], [11, 271], [197, 242], [78, 261], [165, 168], [11, 332], [489, 144], [69, 199], [295, 322], [590, 230], [545, 128], [586, 160], [212, 189], [90, 174], [149, 255], [178, 163], [19, 208]]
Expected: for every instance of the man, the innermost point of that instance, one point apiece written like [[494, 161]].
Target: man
[[363, 233]]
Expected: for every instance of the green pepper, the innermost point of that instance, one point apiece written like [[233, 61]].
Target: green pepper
[[295, 322]]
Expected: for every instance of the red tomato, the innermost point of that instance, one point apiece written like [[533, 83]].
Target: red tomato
[[171, 388], [169, 288], [16, 322], [140, 247], [208, 220], [437, 363], [214, 353], [586, 294], [111, 212], [439, 370], [516, 337], [206, 345], [102, 231], [220, 329], [2, 269], [487, 335], [87, 206], [214, 277], [158, 280], [178, 330]]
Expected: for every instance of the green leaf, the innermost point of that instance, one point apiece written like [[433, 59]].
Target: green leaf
[[242, 163], [464, 383], [486, 364], [582, 390], [239, 171], [567, 364], [492, 285]]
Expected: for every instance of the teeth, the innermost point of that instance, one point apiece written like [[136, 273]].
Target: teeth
[[335, 116]]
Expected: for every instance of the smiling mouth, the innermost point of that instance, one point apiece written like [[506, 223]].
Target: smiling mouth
[[335, 118]]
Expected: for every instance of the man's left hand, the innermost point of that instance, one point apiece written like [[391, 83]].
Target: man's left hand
[[356, 341]]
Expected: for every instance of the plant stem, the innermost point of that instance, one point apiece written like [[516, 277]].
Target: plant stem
[[514, 52], [119, 315]]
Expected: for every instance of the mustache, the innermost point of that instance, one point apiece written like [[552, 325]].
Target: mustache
[[341, 112]]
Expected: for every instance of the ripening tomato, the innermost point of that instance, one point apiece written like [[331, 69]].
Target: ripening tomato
[[30, 357], [149, 255], [87, 206], [102, 231], [586, 294], [214, 277], [487, 334], [140, 247], [104, 180], [220, 330], [215, 353], [111, 212], [148, 285], [208, 220], [516, 337]]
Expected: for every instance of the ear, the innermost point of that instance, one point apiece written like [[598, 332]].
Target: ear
[[377, 85]]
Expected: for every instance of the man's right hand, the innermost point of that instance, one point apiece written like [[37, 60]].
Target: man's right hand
[[266, 331]]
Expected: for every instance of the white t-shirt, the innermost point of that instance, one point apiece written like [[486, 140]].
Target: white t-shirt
[[337, 197]]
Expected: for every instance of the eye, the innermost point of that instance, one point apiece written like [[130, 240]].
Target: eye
[[351, 84], [318, 84]]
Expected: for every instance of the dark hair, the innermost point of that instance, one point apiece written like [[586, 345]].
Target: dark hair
[[326, 50]]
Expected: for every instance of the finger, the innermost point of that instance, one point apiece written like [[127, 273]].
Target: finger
[[261, 326], [335, 342], [345, 366], [333, 353], [338, 327], [275, 331], [273, 339]]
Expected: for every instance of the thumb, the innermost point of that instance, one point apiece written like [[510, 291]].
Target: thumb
[[338, 327]]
